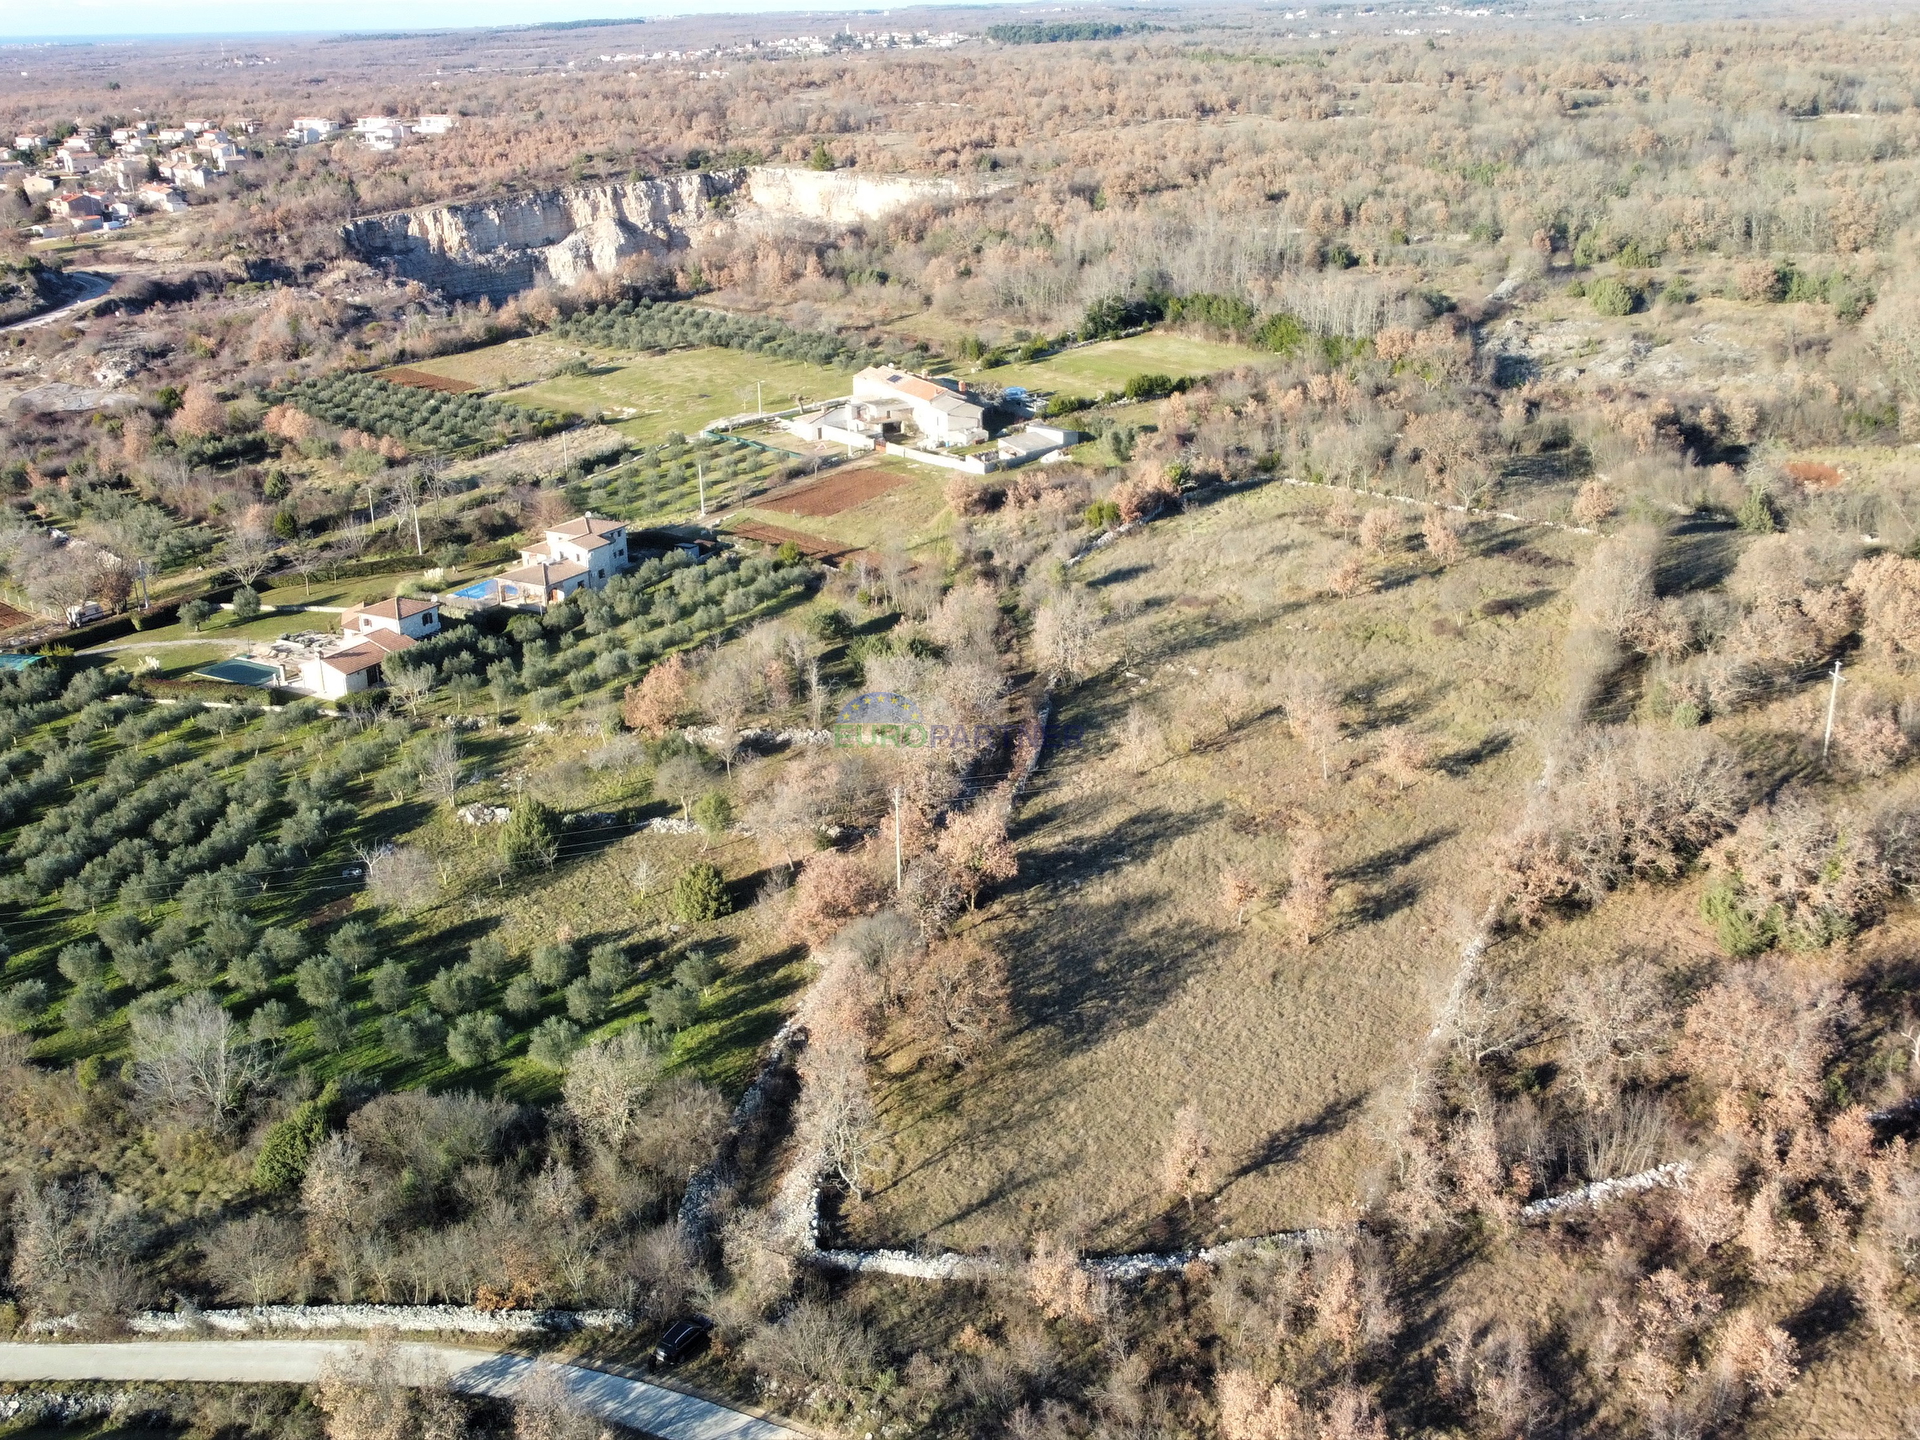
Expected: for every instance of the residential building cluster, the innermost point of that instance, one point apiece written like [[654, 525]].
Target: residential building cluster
[[93, 180], [376, 132], [583, 553], [802, 46], [928, 417]]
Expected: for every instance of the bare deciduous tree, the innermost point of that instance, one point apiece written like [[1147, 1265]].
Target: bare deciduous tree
[[957, 1002], [194, 1062], [1063, 631], [1309, 896], [401, 877], [248, 551], [441, 768], [1187, 1166], [73, 1249], [608, 1086], [254, 1258]]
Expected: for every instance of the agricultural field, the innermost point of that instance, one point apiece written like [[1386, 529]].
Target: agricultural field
[[912, 512], [502, 366], [420, 419], [1097, 369], [1136, 994], [647, 397], [303, 793]]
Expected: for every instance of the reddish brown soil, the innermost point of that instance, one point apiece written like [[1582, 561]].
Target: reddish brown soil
[[1814, 474], [421, 380], [10, 617], [833, 492], [812, 546]]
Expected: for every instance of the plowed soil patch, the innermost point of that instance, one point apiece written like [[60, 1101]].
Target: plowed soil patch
[[421, 380], [812, 546], [833, 492]]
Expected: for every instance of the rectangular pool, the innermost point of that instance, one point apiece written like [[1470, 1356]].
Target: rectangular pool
[[242, 672]]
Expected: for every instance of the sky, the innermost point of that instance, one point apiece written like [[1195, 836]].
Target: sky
[[241, 19]]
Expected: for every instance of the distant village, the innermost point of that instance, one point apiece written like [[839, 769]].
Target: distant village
[[88, 179], [790, 47]]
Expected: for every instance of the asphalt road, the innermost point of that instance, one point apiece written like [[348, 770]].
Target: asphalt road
[[633, 1403]]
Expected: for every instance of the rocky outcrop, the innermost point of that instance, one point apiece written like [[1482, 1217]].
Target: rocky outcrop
[[841, 197], [498, 248]]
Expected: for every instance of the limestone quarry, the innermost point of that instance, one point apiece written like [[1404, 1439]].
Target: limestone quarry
[[497, 248]]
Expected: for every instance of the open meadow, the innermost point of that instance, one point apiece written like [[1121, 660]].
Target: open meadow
[[1139, 990]]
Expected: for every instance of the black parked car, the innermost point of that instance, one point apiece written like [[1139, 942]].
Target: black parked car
[[682, 1339]]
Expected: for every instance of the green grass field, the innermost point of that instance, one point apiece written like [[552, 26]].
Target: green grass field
[[1110, 364], [678, 391], [648, 396]]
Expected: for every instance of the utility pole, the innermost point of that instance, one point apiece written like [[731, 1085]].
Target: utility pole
[[1833, 702], [898, 878], [760, 397], [369, 506], [700, 474]]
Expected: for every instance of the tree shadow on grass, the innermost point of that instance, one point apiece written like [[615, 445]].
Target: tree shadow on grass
[[1382, 863], [745, 1012], [1287, 1144], [1069, 980], [1460, 762], [1698, 554]]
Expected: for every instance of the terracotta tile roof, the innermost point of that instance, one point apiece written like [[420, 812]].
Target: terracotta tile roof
[[584, 525], [401, 607], [387, 640], [548, 575], [353, 660]]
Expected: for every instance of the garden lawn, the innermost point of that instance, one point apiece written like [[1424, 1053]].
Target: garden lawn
[[292, 591], [270, 625], [1092, 369], [647, 396]]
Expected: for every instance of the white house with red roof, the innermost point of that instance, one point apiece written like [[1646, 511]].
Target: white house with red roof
[[353, 667], [402, 615], [581, 554], [938, 407]]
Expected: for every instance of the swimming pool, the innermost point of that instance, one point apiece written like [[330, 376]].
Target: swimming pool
[[242, 672], [479, 590]]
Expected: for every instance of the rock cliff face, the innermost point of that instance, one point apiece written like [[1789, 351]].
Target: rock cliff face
[[501, 247], [840, 197]]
